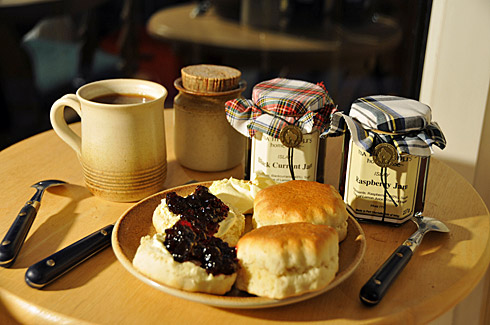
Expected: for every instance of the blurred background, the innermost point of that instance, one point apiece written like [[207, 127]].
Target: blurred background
[[355, 47], [434, 51]]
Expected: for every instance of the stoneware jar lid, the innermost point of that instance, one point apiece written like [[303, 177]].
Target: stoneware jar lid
[[210, 78]]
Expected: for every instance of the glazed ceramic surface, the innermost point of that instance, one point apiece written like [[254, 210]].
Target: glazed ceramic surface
[[122, 147]]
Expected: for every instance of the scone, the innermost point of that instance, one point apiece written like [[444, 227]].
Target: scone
[[287, 260], [153, 260], [230, 229], [187, 255], [301, 201]]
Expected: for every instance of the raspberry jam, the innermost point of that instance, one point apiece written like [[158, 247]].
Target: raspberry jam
[[191, 238]]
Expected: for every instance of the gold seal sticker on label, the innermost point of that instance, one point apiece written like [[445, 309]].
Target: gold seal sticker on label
[[385, 155], [291, 136]]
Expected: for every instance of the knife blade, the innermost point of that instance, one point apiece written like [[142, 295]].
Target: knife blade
[[54, 266]]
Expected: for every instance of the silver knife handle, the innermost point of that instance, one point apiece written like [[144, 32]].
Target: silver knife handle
[[14, 239], [414, 241], [52, 267]]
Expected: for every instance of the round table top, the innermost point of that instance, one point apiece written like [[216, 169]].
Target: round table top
[[177, 24], [442, 272]]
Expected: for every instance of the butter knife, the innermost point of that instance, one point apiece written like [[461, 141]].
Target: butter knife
[[54, 266]]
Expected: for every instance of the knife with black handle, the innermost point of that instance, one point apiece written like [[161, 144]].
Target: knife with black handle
[[375, 288], [52, 267], [14, 239]]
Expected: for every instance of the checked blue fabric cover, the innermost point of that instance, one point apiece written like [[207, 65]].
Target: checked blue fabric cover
[[278, 102], [405, 123]]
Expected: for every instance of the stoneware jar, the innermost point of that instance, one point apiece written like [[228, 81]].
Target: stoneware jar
[[203, 139]]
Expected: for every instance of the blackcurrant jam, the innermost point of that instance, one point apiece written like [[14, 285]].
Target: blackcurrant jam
[[191, 238]]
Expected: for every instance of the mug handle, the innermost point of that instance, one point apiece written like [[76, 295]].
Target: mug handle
[[59, 123]]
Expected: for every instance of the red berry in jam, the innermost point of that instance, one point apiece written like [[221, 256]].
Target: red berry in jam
[[202, 209], [191, 238]]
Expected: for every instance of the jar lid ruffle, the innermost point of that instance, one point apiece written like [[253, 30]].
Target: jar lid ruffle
[[405, 123], [279, 102]]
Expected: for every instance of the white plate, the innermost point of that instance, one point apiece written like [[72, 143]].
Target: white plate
[[137, 222]]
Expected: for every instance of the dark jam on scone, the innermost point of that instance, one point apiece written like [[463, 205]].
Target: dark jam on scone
[[191, 238], [202, 209]]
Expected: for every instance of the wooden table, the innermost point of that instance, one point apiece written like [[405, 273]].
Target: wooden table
[[443, 271], [177, 24]]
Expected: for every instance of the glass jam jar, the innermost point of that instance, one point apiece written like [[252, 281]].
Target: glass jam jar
[[386, 157], [393, 193], [270, 156], [203, 138], [283, 120]]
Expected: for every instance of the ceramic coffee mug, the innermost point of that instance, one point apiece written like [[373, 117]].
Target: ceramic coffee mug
[[122, 146]]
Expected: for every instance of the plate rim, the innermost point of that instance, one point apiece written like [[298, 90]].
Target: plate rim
[[221, 300]]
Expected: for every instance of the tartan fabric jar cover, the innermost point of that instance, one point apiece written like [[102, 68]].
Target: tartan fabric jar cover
[[278, 102], [405, 123]]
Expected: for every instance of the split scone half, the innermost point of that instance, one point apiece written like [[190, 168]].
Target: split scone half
[[184, 253], [286, 260], [153, 260], [301, 201]]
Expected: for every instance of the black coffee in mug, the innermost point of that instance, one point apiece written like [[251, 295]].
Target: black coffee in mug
[[117, 98]]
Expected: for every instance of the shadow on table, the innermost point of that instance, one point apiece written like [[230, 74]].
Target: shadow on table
[[80, 276], [430, 282], [6, 318], [50, 234]]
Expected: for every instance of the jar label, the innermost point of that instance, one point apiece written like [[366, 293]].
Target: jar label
[[376, 193], [270, 156]]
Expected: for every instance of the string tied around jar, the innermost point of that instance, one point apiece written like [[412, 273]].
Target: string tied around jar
[[290, 136], [384, 156]]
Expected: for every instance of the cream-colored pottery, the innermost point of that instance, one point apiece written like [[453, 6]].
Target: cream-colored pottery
[[122, 147]]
